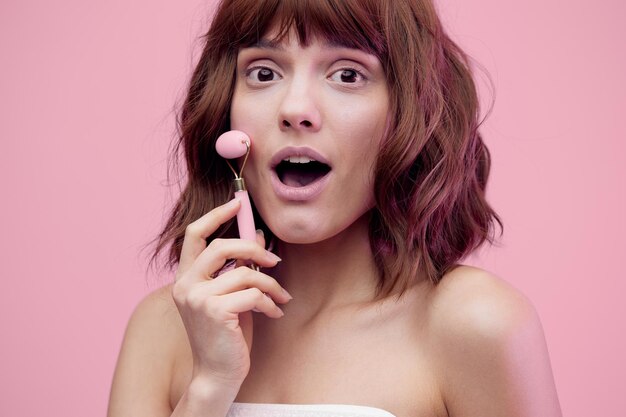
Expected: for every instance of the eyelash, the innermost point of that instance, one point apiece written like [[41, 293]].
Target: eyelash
[[249, 71], [358, 73]]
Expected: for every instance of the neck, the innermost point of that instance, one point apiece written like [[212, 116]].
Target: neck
[[337, 272]]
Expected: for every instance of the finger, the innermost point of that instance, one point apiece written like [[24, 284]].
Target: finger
[[250, 299], [260, 239], [219, 250], [197, 232], [243, 278]]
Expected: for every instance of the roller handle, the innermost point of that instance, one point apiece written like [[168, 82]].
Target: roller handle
[[245, 219]]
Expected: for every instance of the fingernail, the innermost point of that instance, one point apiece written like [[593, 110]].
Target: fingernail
[[260, 232], [272, 256], [233, 202], [287, 294]]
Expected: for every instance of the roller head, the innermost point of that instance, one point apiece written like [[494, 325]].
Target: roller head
[[232, 144]]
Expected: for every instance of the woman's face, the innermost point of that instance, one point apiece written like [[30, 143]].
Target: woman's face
[[324, 103]]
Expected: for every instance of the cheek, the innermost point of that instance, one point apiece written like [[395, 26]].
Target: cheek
[[365, 133], [251, 114], [363, 117], [240, 114]]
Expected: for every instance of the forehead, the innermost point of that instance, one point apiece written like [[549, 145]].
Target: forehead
[[290, 44]]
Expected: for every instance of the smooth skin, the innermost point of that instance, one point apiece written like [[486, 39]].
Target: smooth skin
[[219, 307], [485, 342], [326, 97], [472, 346]]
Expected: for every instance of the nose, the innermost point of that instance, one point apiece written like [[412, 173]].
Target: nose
[[299, 109]]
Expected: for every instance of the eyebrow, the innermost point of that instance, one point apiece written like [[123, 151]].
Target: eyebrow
[[277, 45], [267, 44]]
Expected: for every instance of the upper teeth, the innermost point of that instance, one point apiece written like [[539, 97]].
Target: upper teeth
[[298, 159]]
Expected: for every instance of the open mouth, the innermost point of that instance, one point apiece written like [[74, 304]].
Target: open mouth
[[300, 171]]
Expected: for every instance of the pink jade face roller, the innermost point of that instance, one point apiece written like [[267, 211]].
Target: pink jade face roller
[[232, 145]]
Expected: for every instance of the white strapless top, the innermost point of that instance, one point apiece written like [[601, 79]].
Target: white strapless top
[[304, 410]]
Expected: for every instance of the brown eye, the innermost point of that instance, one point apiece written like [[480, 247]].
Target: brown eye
[[262, 74], [348, 76], [266, 74]]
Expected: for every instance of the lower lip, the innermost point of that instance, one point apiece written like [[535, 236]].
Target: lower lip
[[307, 192]]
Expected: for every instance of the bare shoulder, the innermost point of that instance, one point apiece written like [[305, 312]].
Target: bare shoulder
[[159, 301], [146, 358], [156, 319], [490, 349], [473, 303]]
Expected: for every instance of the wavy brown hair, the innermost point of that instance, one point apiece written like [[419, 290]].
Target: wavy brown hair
[[432, 168]]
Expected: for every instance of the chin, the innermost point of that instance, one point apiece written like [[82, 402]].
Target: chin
[[299, 236], [312, 232]]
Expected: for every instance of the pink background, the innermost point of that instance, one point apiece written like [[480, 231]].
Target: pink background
[[87, 91]]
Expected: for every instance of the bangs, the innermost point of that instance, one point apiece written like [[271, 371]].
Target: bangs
[[343, 23]]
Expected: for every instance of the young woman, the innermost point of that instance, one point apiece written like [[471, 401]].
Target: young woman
[[367, 176]]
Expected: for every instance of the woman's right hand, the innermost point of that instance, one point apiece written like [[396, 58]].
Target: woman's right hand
[[216, 311]]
